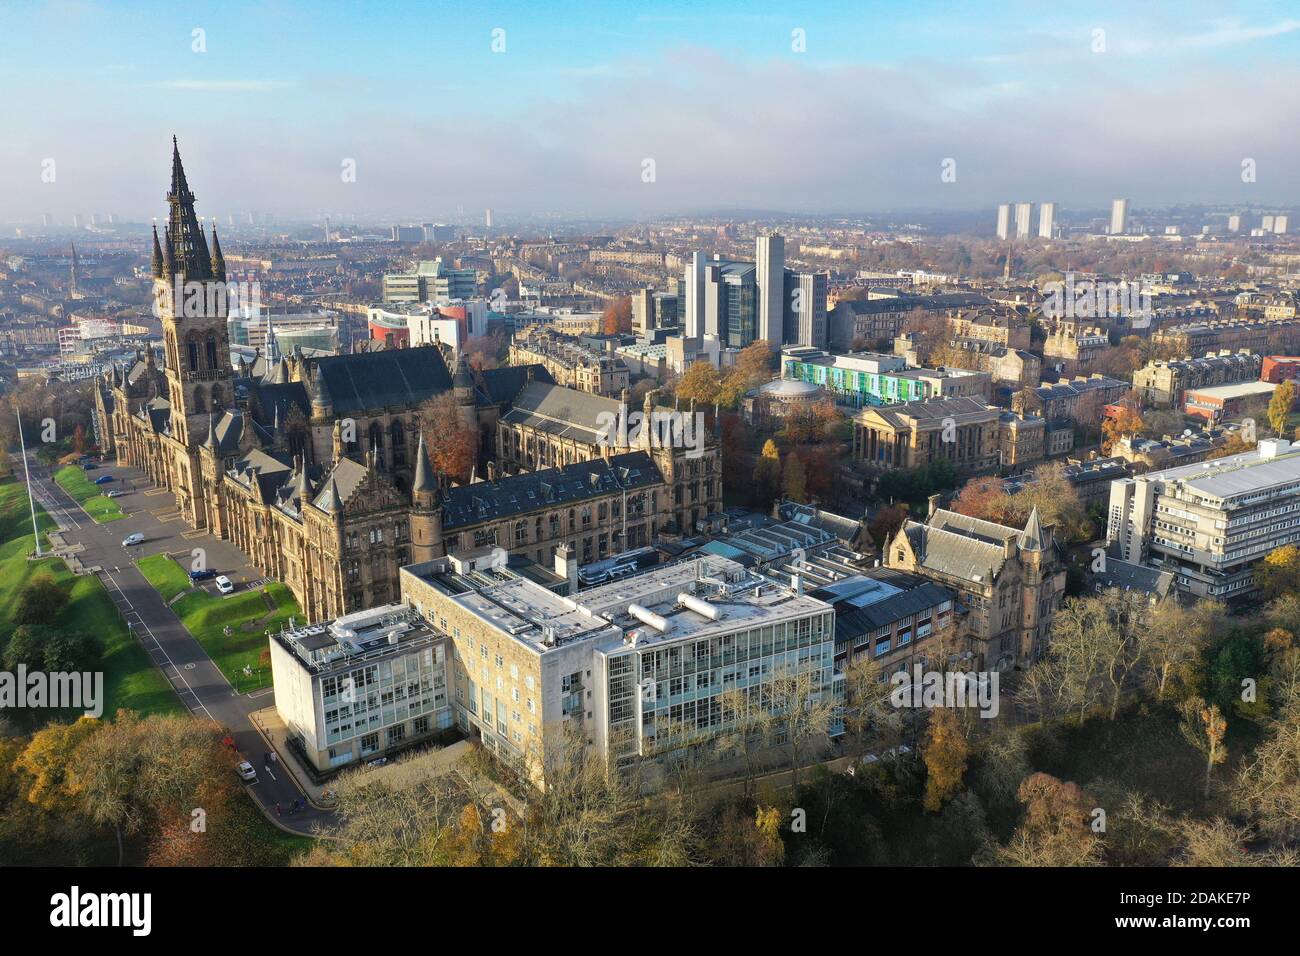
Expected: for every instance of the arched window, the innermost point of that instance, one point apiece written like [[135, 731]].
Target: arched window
[[211, 346], [198, 403], [193, 348], [397, 433]]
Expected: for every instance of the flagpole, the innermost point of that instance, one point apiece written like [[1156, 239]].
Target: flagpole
[[36, 534]]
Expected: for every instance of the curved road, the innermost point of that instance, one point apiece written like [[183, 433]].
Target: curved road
[[198, 682]]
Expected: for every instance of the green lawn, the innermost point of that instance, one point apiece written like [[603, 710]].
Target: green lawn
[[168, 578], [246, 613], [130, 678], [73, 480]]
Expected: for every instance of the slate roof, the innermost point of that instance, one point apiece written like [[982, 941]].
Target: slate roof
[[856, 614], [566, 412], [275, 397], [959, 409], [499, 385], [158, 411], [372, 380], [960, 546], [259, 468], [482, 501], [1128, 576], [342, 482]]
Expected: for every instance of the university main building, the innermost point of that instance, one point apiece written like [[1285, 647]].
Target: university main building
[[318, 470]]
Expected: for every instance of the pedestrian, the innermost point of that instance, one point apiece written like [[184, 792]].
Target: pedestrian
[[277, 809]]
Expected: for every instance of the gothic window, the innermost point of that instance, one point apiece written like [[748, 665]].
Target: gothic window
[[397, 433], [193, 348], [212, 353]]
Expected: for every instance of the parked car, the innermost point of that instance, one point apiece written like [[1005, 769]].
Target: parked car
[[247, 772], [202, 575], [89, 466], [224, 584], [112, 494], [131, 539], [103, 479]]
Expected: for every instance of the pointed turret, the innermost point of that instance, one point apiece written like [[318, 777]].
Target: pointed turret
[[1031, 539], [303, 490], [426, 510], [322, 404], [158, 271], [425, 481], [218, 260], [211, 441]]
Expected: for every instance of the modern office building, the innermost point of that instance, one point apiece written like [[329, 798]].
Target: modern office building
[[805, 312], [867, 378], [362, 686], [1280, 225], [1212, 521], [639, 669], [1046, 220], [1119, 217], [1004, 221], [694, 296], [770, 278]]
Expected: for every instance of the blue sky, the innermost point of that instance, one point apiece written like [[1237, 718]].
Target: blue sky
[[1018, 94]]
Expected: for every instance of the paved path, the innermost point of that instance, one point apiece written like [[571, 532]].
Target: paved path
[[198, 682]]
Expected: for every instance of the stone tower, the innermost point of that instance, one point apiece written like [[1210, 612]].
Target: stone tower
[[190, 293], [426, 509]]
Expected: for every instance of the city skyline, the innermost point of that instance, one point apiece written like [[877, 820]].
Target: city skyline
[[1164, 106]]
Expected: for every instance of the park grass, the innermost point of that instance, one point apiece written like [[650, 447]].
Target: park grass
[[130, 678], [206, 616], [167, 577], [73, 480]]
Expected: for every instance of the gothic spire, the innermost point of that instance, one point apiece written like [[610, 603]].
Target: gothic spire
[[189, 249], [158, 272], [218, 260]]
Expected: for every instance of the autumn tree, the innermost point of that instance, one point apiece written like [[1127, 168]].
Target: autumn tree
[[702, 383], [944, 751], [1057, 826], [885, 524], [452, 444], [1204, 727], [1126, 424], [1279, 572], [617, 317], [1279, 406]]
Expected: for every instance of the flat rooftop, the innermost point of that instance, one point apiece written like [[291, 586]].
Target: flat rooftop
[[1240, 390], [544, 620]]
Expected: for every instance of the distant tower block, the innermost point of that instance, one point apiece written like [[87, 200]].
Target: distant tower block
[[1046, 220], [1004, 220], [487, 217], [1119, 217], [1024, 218], [1279, 225]]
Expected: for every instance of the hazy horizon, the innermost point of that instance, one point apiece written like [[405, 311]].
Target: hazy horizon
[[1163, 108]]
